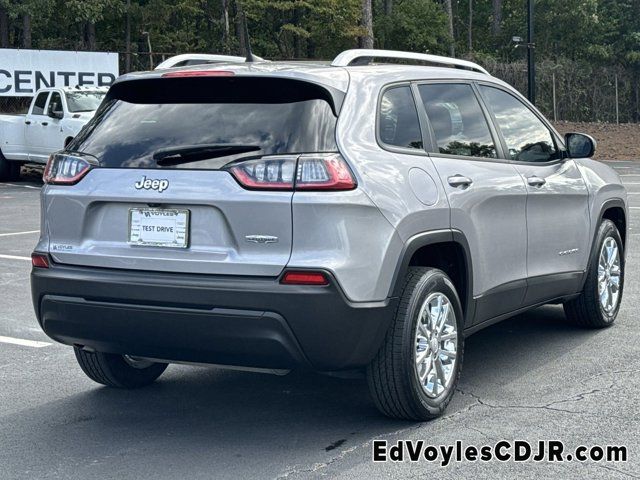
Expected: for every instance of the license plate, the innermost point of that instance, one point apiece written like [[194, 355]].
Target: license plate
[[159, 227]]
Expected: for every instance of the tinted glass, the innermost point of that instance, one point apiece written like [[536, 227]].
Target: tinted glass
[[84, 101], [55, 104], [398, 121], [527, 138], [41, 101], [458, 122], [126, 135]]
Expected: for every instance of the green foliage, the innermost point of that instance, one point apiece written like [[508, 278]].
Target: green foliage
[[603, 32], [414, 25]]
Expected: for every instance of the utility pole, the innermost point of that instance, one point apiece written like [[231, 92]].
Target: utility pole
[[531, 60]]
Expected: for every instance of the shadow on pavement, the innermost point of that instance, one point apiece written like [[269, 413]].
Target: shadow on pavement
[[202, 415]]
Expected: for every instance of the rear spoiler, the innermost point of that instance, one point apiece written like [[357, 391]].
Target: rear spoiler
[[222, 89]]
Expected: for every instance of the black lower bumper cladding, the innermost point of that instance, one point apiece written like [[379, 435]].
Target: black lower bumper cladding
[[241, 321]]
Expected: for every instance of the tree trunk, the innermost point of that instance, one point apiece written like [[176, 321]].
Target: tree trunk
[[90, 36], [225, 26], [452, 44], [298, 41], [26, 31], [4, 28], [127, 38], [496, 24], [470, 25], [240, 28], [366, 41]]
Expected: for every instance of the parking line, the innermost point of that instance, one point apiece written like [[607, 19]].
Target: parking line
[[24, 343], [18, 233], [15, 257], [23, 186]]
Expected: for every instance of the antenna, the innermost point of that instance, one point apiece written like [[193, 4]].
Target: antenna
[[247, 42]]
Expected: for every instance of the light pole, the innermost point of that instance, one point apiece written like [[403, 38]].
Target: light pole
[[531, 48]]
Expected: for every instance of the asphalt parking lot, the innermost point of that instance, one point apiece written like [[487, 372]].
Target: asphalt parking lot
[[533, 377]]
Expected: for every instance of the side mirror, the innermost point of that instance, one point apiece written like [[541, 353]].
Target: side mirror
[[580, 145]]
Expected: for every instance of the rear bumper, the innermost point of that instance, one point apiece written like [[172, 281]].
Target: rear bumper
[[241, 321]]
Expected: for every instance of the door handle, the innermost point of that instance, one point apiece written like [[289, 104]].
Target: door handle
[[44, 124], [28, 122], [459, 181], [536, 181]]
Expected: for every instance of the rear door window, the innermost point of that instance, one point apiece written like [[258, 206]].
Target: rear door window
[[398, 123], [255, 118], [457, 120]]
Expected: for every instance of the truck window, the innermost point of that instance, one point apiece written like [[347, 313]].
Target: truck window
[[41, 101], [55, 104], [84, 101]]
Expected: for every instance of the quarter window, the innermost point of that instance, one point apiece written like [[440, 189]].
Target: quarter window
[[527, 138], [398, 119], [41, 101], [458, 123]]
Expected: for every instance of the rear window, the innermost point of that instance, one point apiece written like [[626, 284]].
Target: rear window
[[272, 117]]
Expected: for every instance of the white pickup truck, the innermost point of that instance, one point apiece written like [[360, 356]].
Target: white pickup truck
[[55, 116]]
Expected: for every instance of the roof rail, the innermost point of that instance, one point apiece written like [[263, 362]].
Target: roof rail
[[349, 57]]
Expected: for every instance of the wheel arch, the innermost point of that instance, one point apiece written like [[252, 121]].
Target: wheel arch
[[615, 210], [447, 250]]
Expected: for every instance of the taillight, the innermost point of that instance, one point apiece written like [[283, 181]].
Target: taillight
[[303, 277], [267, 173], [40, 260], [303, 172], [324, 172], [67, 169]]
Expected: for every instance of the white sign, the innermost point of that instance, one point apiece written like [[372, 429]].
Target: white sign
[[24, 72]]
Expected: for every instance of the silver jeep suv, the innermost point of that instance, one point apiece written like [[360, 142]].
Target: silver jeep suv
[[335, 217]]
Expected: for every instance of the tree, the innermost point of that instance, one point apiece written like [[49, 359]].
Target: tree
[[416, 25], [4, 26], [452, 43], [496, 23], [366, 40]]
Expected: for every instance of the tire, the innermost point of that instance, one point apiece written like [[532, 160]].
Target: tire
[[587, 310], [393, 375], [116, 370], [14, 171], [5, 168]]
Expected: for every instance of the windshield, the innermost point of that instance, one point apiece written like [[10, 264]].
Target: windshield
[[84, 101]]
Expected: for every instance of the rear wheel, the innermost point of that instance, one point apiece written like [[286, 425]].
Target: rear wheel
[[599, 303], [416, 370], [14, 171], [121, 371], [5, 169]]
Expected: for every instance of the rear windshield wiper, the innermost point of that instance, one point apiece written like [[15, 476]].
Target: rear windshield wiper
[[194, 153]]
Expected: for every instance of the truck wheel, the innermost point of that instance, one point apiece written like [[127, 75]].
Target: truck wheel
[[416, 370], [5, 168], [599, 303], [120, 371], [14, 171]]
